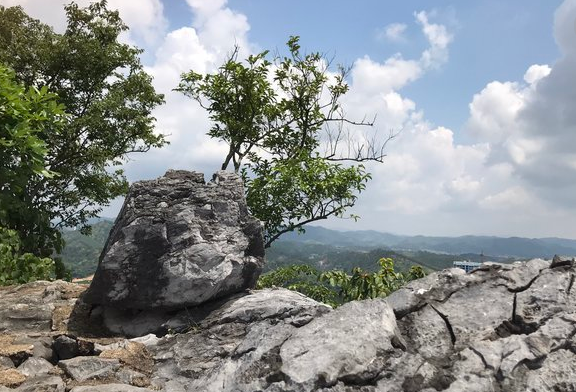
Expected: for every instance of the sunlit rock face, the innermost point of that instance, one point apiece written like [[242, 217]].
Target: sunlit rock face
[[178, 242], [500, 328]]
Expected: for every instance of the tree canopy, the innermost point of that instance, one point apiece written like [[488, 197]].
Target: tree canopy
[[285, 127], [25, 115], [108, 99]]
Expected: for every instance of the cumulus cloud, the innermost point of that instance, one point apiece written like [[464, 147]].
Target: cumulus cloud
[[201, 47], [439, 38], [531, 125], [520, 167], [145, 18], [394, 32]]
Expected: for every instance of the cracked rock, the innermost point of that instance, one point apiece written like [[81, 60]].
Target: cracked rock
[[179, 242], [502, 328]]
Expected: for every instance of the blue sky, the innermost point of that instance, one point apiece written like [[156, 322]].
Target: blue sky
[[483, 91], [494, 39]]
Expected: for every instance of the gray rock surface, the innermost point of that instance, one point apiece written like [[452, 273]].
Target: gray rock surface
[[37, 306], [34, 366], [178, 242], [43, 383], [110, 388], [501, 328], [87, 368], [65, 347], [6, 362]]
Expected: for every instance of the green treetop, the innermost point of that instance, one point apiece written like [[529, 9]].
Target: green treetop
[[109, 99], [285, 129]]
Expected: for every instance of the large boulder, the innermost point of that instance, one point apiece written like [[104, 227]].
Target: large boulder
[[179, 242]]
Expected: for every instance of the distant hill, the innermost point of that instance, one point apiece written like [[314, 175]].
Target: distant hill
[[325, 257], [81, 253], [328, 249], [494, 246]]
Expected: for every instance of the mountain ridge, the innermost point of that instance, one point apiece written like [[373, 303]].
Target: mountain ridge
[[514, 246], [81, 252]]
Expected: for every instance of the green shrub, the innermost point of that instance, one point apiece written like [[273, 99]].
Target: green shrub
[[301, 278], [17, 268], [336, 287]]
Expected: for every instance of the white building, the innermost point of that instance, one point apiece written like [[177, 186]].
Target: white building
[[467, 265]]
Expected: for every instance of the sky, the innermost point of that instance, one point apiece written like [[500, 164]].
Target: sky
[[483, 95]]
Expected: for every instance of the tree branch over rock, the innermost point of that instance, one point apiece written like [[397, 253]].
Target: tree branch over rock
[[277, 117]]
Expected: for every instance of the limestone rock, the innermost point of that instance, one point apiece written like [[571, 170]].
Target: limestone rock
[[86, 368], [31, 307], [35, 366], [131, 377], [345, 344], [500, 328], [178, 242], [236, 346], [42, 346], [6, 362], [18, 353], [65, 347], [110, 388], [134, 355], [42, 383]]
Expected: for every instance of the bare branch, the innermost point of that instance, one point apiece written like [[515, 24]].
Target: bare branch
[[295, 226]]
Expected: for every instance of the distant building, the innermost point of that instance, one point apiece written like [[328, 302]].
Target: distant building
[[467, 265]]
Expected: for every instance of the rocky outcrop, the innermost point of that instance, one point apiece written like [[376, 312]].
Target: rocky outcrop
[[500, 328], [179, 242]]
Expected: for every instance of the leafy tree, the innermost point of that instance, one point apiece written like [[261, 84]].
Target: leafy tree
[[336, 287], [109, 99], [25, 114], [17, 267], [284, 126]]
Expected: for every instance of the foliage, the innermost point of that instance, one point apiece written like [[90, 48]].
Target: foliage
[[301, 278], [26, 115], [274, 115], [109, 99], [336, 287], [363, 285], [16, 267], [327, 257], [82, 252]]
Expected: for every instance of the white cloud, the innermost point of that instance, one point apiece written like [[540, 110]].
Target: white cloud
[[145, 18], [394, 32], [201, 47], [373, 77], [565, 26], [438, 37], [519, 169], [494, 110], [536, 72], [514, 197], [519, 176], [532, 125], [220, 28]]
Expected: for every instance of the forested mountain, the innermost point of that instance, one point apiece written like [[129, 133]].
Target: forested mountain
[[328, 249], [81, 252], [327, 257], [494, 246]]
